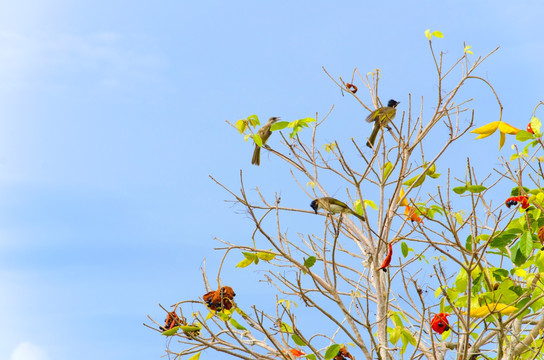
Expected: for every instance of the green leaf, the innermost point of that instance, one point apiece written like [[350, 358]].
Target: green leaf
[[249, 255], [475, 189], [523, 135], [408, 335], [311, 357], [258, 140], [461, 281], [189, 328], [298, 340], [394, 334], [236, 324], [539, 261], [468, 243], [460, 189], [286, 328], [171, 331], [504, 239], [253, 120], [387, 170], [358, 207], [195, 356], [517, 192], [210, 315], [397, 320], [413, 181], [500, 274], [309, 262], [517, 256], [404, 249], [438, 34], [265, 256], [526, 244], [332, 351], [222, 316], [244, 263], [446, 334], [279, 125], [295, 132]]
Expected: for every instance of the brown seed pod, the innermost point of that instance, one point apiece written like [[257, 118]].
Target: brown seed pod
[[541, 235], [352, 88]]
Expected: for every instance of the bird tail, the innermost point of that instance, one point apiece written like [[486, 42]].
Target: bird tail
[[372, 138], [362, 218], [256, 159]]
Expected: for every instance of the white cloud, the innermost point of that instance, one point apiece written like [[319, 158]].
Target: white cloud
[[28, 351]]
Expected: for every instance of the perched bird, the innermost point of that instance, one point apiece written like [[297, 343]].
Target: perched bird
[[264, 133], [381, 117], [333, 206]]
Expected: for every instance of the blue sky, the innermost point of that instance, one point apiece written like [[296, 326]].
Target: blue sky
[[112, 116]]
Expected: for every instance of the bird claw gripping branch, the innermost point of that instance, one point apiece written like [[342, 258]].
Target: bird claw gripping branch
[[221, 299]]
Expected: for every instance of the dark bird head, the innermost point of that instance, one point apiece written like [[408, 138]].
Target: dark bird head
[[393, 103], [274, 119], [314, 205]]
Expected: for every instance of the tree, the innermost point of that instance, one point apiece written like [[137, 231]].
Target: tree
[[482, 260]]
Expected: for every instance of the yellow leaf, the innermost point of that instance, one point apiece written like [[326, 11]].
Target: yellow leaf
[[438, 34], [310, 183], [507, 128], [241, 125], [481, 136], [502, 140], [370, 203], [487, 129], [486, 310], [404, 202], [428, 34], [467, 49]]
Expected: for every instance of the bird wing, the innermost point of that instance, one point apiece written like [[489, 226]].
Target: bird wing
[[372, 117]]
